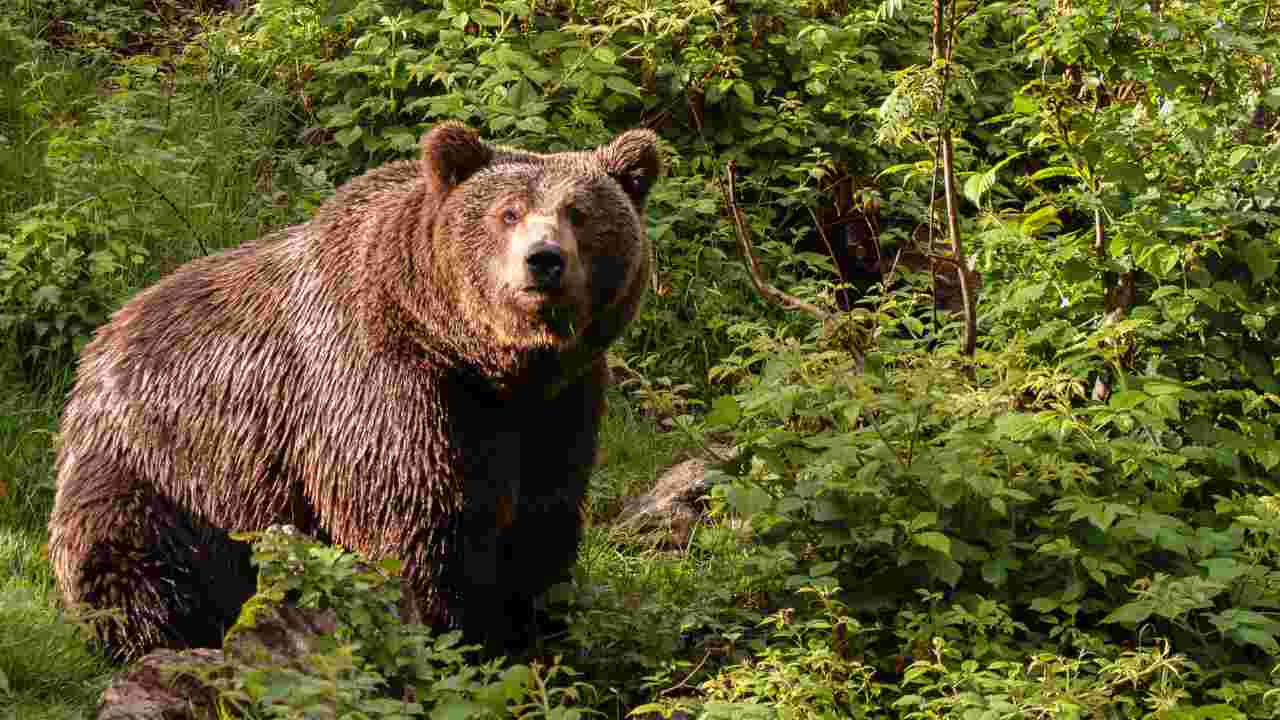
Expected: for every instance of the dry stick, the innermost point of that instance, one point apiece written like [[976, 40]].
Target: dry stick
[[729, 187], [685, 681]]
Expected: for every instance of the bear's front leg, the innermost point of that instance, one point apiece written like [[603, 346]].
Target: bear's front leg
[[492, 485], [558, 453]]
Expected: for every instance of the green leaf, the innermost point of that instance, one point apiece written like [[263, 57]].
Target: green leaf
[[1267, 456], [1130, 613], [945, 569], [534, 124], [923, 520], [724, 411], [1207, 297], [1044, 604], [1257, 255], [1046, 216], [1239, 154], [1220, 711], [1054, 171], [458, 710], [349, 135], [605, 55], [1127, 399], [1128, 174], [747, 500], [1017, 426], [823, 569], [486, 18], [1028, 294], [1223, 569], [1160, 388], [978, 185], [619, 84], [1248, 627], [867, 473], [1101, 514], [995, 571], [934, 541], [46, 296], [1025, 104]]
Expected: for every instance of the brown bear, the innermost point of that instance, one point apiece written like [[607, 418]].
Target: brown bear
[[416, 372]]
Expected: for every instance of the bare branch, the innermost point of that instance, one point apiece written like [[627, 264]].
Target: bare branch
[[729, 187]]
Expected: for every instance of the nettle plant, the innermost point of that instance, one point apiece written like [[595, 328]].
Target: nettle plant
[[1147, 195]]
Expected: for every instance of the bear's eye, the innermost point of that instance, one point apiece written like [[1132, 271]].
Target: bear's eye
[[510, 216], [576, 217]]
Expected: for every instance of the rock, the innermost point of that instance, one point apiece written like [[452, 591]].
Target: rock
[[669, 512], [169, 685], [280, 636], [165, 685]]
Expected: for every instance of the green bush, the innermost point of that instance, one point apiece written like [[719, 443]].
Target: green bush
[[1027, 520], [371, 661]]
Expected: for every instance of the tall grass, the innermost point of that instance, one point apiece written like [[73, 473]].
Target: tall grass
[[118, 168], [46, 667]]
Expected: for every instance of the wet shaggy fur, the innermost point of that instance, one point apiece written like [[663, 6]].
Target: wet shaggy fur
[[382, 377]]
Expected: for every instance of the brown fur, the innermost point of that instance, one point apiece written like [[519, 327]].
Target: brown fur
[[376, 377]]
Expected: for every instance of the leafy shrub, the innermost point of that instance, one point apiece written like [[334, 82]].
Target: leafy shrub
[[61, 272], [1048, 523], [354, 671]]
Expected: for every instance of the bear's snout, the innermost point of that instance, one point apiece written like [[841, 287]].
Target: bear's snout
[[546, 262], [541, 260]]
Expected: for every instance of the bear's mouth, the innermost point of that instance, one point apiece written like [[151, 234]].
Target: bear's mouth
[[535, 297], [553, 311]]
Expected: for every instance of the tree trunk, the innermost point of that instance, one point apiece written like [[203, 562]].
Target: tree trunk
[[942, 52]]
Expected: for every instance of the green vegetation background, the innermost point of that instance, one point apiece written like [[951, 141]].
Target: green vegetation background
[[1081, 520]]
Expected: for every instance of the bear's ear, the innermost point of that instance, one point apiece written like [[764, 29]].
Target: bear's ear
[[451, 153], [632, 159]]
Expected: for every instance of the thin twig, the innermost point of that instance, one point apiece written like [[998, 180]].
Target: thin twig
[[893, 268], [692, 672], [729, 187], [204, 249], [831, 251]]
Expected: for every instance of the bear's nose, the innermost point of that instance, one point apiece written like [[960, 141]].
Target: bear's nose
[[546, 265]]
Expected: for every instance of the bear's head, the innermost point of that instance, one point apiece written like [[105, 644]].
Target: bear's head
[[517, 253]]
